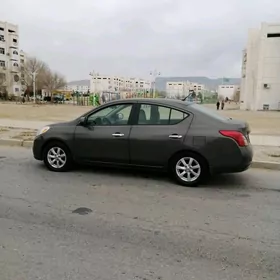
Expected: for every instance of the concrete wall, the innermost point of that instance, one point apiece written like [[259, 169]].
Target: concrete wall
[[261, 68]]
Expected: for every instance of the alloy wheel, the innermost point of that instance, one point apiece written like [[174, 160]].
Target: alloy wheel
[[188, 169], [56, 157]]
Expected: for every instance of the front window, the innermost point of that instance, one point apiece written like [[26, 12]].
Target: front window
[[110, 116]]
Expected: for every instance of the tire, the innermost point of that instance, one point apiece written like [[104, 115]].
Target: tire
[[185, 162], [63, 161]]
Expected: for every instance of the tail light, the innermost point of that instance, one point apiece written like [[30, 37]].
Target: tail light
[[237, 136]]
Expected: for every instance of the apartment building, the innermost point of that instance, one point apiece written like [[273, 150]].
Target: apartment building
[[228, 91], [183, 89], [260, 83], [106, 83], [10, 59]]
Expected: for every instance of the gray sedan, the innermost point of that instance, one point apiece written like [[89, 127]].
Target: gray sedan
[[188, 140]]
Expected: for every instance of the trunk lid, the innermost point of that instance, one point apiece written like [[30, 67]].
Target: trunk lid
[[238, 125]]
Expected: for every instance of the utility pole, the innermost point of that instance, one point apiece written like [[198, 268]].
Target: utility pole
[[154, 74]]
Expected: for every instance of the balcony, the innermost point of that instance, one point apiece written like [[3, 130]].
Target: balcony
[[15, 68], [13, 54], [13, 40]]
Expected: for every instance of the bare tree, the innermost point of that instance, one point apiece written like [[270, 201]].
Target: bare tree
[[53, 81], [33, 65]]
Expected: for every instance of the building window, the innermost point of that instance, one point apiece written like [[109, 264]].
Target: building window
[[16, 89], [2, 51], [11, 31], [15, 52], [1, 28], [15, 40], [2, 38], [2, 63], [15, 64], [273, 35]]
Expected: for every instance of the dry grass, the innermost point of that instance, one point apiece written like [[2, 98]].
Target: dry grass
[[41, 112], [3, 129], [25, 135], [260, 122]]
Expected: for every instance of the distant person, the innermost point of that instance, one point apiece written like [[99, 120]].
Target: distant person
[[223, 105], [218, 105]]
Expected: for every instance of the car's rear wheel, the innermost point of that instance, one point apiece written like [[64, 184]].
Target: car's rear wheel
[[57, 157], [189, 169]]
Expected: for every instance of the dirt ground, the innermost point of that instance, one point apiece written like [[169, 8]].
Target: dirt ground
[[260, 122]]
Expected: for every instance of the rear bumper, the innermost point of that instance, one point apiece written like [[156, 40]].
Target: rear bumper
[[246, 158], [38, 148]]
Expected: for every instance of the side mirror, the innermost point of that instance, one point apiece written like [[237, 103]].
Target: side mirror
[[120, 116], [82, 121]]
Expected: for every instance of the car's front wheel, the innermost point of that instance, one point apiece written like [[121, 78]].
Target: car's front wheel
[[57, 157], [189, 169]]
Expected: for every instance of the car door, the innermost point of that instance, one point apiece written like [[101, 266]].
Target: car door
[[104, 136], [158, 134]]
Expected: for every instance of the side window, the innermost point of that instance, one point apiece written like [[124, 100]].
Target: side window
[[111, 116], [177, 116], [159, 115]]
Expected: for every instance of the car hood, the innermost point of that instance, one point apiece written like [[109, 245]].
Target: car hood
[[71, 123]]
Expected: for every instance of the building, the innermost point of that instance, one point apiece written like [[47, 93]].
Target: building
[[260, 84], [228, 91], [116, 84], [10, 71], [183, 89], [82, 86]]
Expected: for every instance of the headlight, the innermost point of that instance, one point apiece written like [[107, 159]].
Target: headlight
[[43, 130]]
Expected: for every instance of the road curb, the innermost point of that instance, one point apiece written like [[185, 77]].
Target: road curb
[[29, 144], [16, 143], [266, 165], [11, 142]]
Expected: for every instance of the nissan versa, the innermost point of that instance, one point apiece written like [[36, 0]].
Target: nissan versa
[[188, 140]]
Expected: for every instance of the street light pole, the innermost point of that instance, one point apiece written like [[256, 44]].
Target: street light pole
[[154, 74], [34, 86]]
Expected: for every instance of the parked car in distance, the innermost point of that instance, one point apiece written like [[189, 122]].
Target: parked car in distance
[[185, 139]]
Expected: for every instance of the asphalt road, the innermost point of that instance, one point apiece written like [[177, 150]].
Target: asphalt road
[[141, 226]]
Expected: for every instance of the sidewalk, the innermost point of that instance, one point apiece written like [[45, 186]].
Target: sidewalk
[[256, 139]]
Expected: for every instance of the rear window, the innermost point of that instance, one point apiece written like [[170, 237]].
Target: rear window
[[209, 112]]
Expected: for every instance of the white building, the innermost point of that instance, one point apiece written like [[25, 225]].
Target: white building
[[10, 59], [82, 86], [105, 83], [183, 89], [227, 91], [260, 86]]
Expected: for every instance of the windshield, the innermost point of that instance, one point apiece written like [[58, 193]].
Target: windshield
[[209, 112]]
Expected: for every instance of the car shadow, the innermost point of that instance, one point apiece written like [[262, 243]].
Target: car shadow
[[221, 181]]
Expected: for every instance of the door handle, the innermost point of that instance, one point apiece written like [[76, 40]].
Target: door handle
[[175, 136], [118, 134]]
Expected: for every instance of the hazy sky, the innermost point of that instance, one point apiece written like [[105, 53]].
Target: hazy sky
[[131, 37]]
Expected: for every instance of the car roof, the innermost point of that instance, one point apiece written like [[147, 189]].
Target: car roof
[[160, 101]]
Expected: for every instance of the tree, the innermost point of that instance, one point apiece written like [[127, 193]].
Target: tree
[[53, 81], [30, 66], [3, 86]]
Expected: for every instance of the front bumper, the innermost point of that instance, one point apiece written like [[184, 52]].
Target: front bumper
[[37, 148]]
